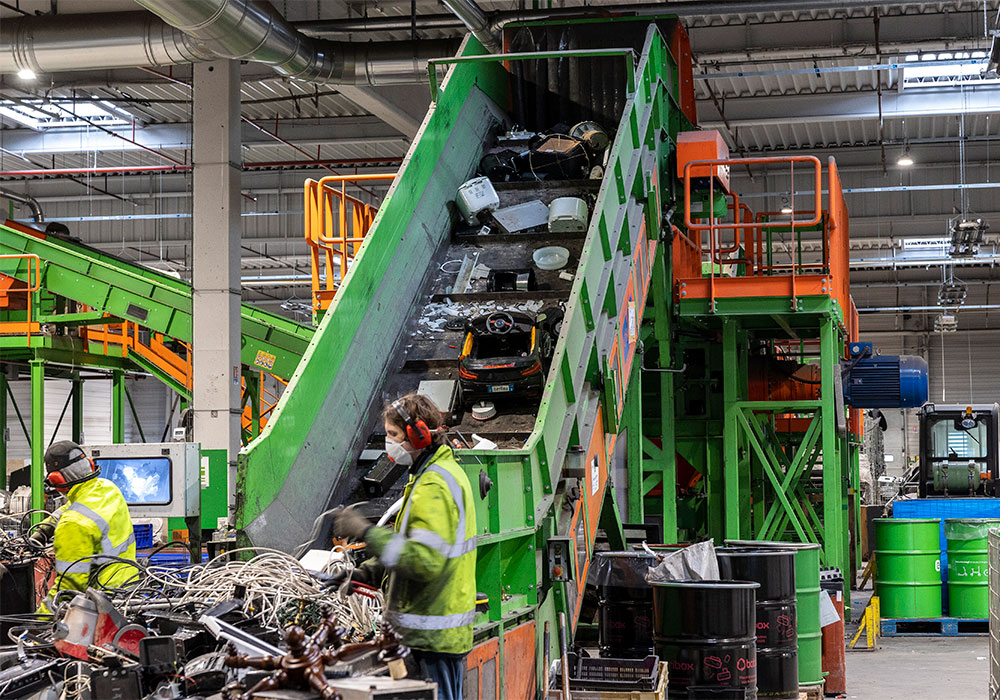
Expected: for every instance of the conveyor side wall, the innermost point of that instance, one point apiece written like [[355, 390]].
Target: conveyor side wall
[[288, 474]]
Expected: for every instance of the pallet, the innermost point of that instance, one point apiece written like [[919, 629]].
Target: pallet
[[811, 692], [935, 627]]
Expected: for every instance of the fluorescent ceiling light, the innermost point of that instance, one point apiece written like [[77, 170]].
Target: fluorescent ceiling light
[[42, 114], [26, 74], [960, 67]]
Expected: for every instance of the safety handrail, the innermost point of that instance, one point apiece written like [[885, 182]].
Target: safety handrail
[[30, 288], [319, 227]]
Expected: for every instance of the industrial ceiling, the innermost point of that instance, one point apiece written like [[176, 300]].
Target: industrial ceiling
[[107, 150]]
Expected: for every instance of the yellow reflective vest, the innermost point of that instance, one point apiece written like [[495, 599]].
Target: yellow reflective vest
[[92, 527], [430, 557]]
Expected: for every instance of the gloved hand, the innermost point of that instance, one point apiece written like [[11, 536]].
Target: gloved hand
[[349, 524], [41, 536]]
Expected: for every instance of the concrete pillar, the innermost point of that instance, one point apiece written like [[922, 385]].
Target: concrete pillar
[[216, 259]]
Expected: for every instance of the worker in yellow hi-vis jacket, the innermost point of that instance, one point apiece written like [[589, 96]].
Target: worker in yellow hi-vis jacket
[[93, 532], [429, 557]]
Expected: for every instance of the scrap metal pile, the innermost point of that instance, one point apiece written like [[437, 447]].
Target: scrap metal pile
[[244, 624]]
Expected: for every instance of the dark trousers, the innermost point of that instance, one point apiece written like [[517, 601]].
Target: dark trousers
[[447, 670]]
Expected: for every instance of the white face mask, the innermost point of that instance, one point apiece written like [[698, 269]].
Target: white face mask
[[398, 453]]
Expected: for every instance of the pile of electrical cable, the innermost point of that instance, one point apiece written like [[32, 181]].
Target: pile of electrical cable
[[165, 632]]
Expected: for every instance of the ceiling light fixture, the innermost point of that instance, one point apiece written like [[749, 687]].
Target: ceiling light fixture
[[905, 160], [26, 74], [786, 204]]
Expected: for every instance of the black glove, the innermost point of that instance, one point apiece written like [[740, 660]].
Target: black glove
[[41, 536], [350, 525]]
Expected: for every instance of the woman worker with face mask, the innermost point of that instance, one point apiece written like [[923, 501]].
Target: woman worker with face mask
[[428, 559]]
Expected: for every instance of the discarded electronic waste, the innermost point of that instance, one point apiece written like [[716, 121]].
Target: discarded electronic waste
[[264, 627]]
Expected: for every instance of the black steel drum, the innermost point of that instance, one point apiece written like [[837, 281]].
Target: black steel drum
[[705, 632], [777, 642]]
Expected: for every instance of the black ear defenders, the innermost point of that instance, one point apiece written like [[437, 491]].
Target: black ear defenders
[[417, 432]]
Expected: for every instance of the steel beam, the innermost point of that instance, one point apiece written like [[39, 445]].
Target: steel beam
[[37, 436], [833, 486], [216, 255], [304, 132], [117, 406], [77, 391], [848, 107], [730, 434], [840, 37], [4, 429]]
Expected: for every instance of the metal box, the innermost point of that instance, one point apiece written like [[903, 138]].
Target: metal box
[[568, 215], [476, 196], [703, 145], [524, 217], [158, 480]]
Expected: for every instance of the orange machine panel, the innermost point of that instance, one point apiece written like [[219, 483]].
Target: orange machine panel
[[519, 663], [703, 145], [482, 671]]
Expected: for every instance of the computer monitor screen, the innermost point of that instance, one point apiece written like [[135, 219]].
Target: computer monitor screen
[[142, 480]]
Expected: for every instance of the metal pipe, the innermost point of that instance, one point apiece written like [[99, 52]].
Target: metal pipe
[[256, 31], [36, 209], [475, 19], [347, 25], [167, 169], [205, 30], [940, 309]]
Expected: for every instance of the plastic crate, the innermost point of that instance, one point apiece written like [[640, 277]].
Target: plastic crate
[[174, 560], [143, 535], [589, 673], [658, 692]]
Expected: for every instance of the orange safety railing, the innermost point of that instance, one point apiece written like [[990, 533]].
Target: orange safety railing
[[334, 232], [800, 270], [10, 285], [267, 400], [127, 336]]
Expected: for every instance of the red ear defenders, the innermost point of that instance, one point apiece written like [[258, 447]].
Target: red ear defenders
[[417, 432], [57, 480]]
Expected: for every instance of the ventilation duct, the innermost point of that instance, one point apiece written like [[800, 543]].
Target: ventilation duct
[[205, 30]]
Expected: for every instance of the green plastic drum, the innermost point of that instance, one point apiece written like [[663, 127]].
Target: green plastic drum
[[908, 567], [968, 566], [807, 592]]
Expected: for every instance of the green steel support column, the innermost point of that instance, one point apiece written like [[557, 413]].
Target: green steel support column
[[632, 421], [4, 430], [77, 408], [730, 433], [117, 407], [833, 485], [856, 485], [253, 390], [37, 436], [667, 463], [745, 499]]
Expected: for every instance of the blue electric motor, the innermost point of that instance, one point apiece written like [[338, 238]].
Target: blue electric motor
[[883, 381]]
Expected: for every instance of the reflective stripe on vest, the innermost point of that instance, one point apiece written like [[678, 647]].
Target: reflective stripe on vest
[[430, 622], [106, 546], [394, 547], [71, 567]]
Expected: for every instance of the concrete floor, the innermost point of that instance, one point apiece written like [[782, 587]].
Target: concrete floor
[[920, 668]]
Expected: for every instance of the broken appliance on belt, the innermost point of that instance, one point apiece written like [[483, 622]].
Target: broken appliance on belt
[[561, 153]]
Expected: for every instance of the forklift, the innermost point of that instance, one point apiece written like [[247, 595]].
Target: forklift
[[959, 448]]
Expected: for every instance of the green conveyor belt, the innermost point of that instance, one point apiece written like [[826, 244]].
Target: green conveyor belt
[[148, 297]]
